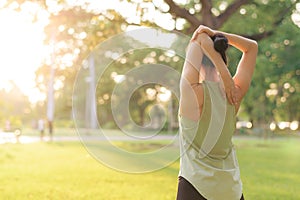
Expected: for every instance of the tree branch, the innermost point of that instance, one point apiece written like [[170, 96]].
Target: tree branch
[[281, 16], [182, 12], [230, 10], [207, 16], [283, 13], [260, 36]]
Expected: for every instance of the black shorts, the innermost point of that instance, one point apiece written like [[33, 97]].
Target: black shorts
[[186, 191]]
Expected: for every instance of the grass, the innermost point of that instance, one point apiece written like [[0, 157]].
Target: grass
[[270, 169], [65, 170]]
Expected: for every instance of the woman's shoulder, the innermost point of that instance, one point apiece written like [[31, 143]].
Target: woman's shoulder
[[191, 101]]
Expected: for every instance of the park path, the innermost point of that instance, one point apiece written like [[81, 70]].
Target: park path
[[7, 137]]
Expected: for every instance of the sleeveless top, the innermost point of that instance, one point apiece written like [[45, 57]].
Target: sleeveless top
[[208, 159]]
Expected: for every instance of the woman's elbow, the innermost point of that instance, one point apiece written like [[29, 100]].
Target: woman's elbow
[[251, 48], [254, 46]]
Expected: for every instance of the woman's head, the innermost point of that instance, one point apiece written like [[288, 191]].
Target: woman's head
[[220, 45], [208, 71]]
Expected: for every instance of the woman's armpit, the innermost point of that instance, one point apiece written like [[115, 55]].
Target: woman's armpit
[[191, 101]]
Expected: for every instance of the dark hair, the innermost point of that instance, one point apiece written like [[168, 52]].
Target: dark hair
[[220, 45]]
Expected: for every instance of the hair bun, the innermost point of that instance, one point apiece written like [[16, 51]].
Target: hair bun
[[220, 43]]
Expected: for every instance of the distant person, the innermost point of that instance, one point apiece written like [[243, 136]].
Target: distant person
[[50, 126], [7, 125], [41, 128], [209, 101]]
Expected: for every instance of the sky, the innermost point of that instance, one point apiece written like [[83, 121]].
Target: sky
[[21, 50], [21, 41]]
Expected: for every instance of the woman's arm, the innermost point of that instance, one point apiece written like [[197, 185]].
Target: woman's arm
[[192, 63], [245, 69], [208, 47], [191, 93]]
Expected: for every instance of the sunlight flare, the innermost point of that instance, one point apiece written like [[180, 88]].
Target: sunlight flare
[[21, 48]]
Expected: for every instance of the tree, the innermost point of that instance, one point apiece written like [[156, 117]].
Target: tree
[[265, 21], [15, 107], [76, 33], [78, 30], [217, 14]]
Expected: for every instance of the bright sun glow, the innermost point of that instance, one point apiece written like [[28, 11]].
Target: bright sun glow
[[21, 50], [21, 40]]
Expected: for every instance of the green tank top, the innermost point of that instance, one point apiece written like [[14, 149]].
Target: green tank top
[[208, 159]]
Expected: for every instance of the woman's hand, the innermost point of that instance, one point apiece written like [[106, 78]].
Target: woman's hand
[[231, 91], [228, 83], [203, 29]]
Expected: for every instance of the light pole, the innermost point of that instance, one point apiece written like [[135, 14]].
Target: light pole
[[50, 96], [91, 111]]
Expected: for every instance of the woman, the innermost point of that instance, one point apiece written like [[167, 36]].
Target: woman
[[209, 101]]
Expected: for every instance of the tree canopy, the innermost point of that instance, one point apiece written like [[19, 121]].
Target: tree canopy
[[74, 30]]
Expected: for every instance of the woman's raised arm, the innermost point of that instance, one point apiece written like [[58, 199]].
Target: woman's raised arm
[[245, 69], [249, 48], [192, 63], [207, 45]]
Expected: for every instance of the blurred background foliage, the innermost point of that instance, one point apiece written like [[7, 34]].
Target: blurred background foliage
[[75, 28]]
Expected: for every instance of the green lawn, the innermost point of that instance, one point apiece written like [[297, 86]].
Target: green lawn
[[270, 169], [64, 170]]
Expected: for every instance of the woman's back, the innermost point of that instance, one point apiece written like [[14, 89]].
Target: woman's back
[[207, 153], [208, 162], [211, 134]]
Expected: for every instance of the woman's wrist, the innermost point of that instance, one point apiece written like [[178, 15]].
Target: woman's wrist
[[226, 78]]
